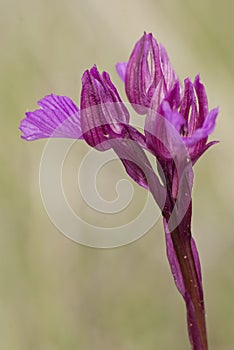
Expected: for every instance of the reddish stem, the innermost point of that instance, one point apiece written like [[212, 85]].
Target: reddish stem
[[184, 254]]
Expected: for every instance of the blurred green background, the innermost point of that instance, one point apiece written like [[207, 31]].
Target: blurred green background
[[56, 294]]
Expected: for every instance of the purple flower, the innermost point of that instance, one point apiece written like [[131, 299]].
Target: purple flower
[[178, 123], [188, 114], [147, 68], [105, 124], [100, 98]]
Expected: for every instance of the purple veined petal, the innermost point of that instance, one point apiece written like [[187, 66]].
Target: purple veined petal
[[121, 68], [169, 74], [202, 101], [58, 116], [154, 122], [188, 100], [104, 117], [158, 96], [173, 96], [114, 95], [203, 132], [63, 103], [143, 73], [189, 108], [194, 105]]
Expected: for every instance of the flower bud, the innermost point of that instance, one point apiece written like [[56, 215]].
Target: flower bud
[[103, 115]]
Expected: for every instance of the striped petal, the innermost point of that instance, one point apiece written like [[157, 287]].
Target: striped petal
[[57, 116]]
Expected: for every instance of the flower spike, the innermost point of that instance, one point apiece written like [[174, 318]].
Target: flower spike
[[177, 126]]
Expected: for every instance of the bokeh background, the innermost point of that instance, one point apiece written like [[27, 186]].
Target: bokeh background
[[56, 294]]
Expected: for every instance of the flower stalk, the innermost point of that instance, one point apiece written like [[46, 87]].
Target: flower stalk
[[183, 245]]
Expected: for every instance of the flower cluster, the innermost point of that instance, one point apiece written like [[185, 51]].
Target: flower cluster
[[177, 125], [152, 88]]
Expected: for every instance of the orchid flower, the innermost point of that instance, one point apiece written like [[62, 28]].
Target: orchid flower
[[178, 123]]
